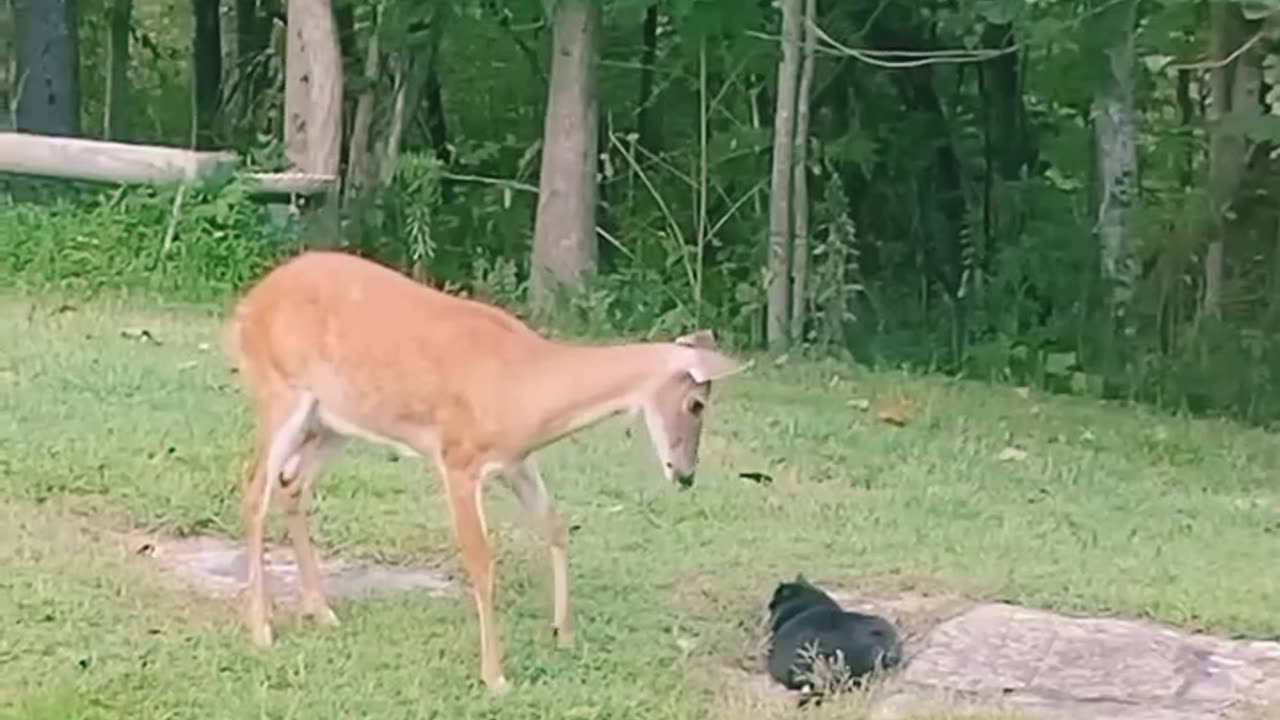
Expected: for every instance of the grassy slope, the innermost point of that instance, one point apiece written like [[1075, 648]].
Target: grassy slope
[[1112, 510]]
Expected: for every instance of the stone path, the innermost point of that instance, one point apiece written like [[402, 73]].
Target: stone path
[[1037, 664], [1063, 667], [992, 656], [217, 566]]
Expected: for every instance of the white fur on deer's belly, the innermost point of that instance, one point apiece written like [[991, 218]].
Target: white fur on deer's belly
[[342, 426]]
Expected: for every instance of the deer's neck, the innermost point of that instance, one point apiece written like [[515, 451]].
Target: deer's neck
[[571, 387]]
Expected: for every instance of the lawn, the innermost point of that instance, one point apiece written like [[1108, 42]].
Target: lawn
[[1100, 509]]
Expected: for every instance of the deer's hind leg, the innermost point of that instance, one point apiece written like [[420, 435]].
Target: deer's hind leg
[[525, 482], [283, 423], [295, 485]]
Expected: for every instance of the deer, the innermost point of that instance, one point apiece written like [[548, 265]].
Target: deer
[[330, 347]]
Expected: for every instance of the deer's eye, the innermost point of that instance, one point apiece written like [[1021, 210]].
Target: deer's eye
[[696, 406]]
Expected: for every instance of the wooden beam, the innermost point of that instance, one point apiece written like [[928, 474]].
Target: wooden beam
[[290, 183], [111, 162], [114, 162]]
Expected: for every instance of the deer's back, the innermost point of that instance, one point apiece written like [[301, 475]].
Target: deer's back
[[371, 344]]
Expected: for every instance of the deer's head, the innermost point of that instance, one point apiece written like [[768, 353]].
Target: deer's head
[[673, 413]]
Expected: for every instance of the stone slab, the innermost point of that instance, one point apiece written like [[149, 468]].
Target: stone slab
[[1021, 662], [1099, 668], [216, 566]]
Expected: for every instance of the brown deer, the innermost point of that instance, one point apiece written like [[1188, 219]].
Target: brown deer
[[331, 346]]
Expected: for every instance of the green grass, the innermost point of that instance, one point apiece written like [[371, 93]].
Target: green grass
[[1113, 510]]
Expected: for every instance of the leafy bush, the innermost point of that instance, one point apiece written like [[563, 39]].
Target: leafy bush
[[199, 246]]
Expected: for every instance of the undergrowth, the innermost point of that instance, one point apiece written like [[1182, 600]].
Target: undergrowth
[[209, 244], [195, 248]]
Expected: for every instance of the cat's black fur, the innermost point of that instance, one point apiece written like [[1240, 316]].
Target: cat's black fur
[[802, 615]]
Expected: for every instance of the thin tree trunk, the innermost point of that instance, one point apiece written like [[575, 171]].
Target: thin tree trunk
[[836, 307], [249, 38], [253, 41], [564, 244], [1274, 294], [1233, 90], [117, 96], [48, 67], [1186, 115], [1221, 151], [1116, 130], [437, 127], [1007, 147], [8, 66], [390, 159], [778, 292], [207, 75], [358, 154], [1003, 99], [411, 75], [800, 180], [646, 124]]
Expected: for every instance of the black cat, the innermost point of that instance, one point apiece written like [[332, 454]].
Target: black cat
[[802, 615]]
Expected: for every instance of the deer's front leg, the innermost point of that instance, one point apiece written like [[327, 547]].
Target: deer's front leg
[[525, 482], [463, 490]]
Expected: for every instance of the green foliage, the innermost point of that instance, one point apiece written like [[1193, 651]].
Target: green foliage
[[401, 227], [217, 242], [158, 72]]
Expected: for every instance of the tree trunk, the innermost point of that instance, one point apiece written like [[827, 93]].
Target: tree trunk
[[437, 127], [837, 264], [777, 319], [250, 38], [207, 72], [1116, 142], [313, 93], [1007, 148], [48, 67], [646, 123], [358, 170], [253, 41], [564, 242], [313, 99], [1186, 116], [1233, 90], [800, 180], [1003, 99], [8, 66], [120, 21], [413, 70], [390, 158]]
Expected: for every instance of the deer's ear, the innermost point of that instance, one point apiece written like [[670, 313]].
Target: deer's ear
[[703, 339], [708, 365]]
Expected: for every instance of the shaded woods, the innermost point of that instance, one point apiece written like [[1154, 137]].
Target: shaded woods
[[1072, 195]]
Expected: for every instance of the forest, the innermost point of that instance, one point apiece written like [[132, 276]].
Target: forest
[[1076, 196]]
